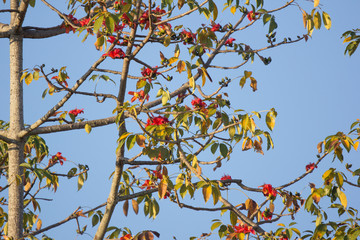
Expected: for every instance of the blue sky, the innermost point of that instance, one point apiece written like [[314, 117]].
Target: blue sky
[[312, 86]]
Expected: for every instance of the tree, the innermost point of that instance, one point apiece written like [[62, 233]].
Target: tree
[[173, 123]]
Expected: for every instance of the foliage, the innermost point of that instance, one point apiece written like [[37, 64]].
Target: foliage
[[176, 122]]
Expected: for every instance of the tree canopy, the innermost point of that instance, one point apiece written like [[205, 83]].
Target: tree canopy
[[167, 76]]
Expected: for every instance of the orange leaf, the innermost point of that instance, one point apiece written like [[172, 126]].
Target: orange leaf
[[135, 206], [162, 188], [140, 140]]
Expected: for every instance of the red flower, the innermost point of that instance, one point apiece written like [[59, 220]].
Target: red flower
[[226, 177], [149, 73], [148, 184], [157, 121], [126, 20], [310, 166], [157, 174], [229, 42], [251, 15], [68, 27], [144, 19], [267, 214], [188, 37], [84, 22], [112, 40], [215, 27], [198, 103], [126, 237], [139, 95], [269, 191], [76, 111], [243, 228], [167, 194], [61, 82], [116, 53], [59, 158]]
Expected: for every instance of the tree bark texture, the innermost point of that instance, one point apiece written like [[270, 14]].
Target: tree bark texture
[[16, 148]]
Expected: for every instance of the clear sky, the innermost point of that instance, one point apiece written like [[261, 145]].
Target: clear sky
[[312, 85]]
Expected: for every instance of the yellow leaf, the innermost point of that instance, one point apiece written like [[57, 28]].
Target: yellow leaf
[[348, 39], [247, 74], [203, 75], [317, 20], [316, 197], [28, 78], [316, 3], [343, 199], [233, 9], [192, 83], [87, 128], [356, 145], [326, 20], [172, 60], [140, 140], [181, 66], [177, 53], [304, 15], [207, 190]]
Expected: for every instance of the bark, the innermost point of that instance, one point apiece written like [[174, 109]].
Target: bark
[[120, 160], [16, 148]]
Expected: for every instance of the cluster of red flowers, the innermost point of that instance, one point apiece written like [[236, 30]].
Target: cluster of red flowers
[[76, 111], [82, 22], [149, 73], [198, 103], [252, 16], [229, 42], [126, 237], [267, 214], [215, 27], [144, 18], [226, 177], [57, 158], [269, 191], [243, 228], [157, 121], [139, 95], [187, 37], [116, 53], [118, 5], [157, 174], [310, 166]]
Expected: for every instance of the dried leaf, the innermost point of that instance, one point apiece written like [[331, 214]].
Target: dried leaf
[[162, 188], [135, 206], [251, 206], [126, 208]]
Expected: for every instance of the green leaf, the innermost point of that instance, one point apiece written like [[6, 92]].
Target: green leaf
[[223, 150], [273, 25], [32, 3], [233, 218], [326, 20], [266, 18], [215, 225], [97, 24]]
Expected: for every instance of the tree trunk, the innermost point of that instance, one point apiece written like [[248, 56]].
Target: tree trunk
[[16, 148]]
